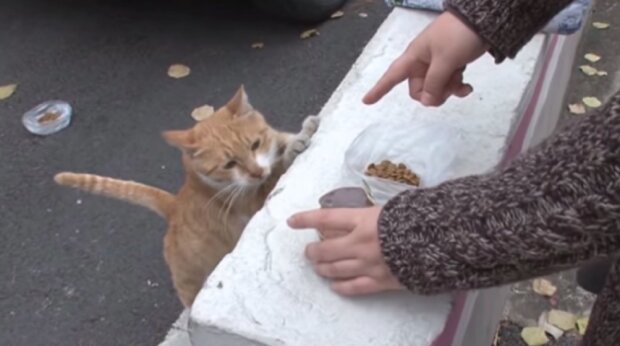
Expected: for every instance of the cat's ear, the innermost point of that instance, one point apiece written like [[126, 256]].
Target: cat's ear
[[239, 104], [182, 139]]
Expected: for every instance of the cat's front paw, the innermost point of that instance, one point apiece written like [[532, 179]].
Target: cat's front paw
[[301, 141], [310, 125]]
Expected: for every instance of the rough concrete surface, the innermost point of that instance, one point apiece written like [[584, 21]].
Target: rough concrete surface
[[524, 306], [83, 270]]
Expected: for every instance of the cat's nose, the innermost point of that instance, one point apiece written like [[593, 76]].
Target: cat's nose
[[257, 173]]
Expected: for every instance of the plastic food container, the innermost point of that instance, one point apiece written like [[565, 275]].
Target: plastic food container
[[48, 117], [427, 149]]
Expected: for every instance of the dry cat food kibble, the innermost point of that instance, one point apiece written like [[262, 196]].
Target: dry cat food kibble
[[392, 171], [48, 117]]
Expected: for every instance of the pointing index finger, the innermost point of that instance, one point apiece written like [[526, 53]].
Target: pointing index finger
[[395, 74]]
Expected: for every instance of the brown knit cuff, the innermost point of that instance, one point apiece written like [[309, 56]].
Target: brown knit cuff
[[506, 25], [406, 236]]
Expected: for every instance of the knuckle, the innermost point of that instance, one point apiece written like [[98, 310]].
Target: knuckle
[[313, 253], [327, 270]]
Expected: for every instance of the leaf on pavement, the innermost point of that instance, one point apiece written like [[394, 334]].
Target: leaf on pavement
[[591, 57], [202, 112], [562, 319], [337, 14], [178, 71], [258, 45], [592, 102], [543, 322], [582, 325], [577, 108], [534, 336], [544, 287], [588, 70], [309, 33], [600, 25], [7, 90]]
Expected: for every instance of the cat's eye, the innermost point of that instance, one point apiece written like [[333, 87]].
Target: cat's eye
[[230, 164], [256, 144]]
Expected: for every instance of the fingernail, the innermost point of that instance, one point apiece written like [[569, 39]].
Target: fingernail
[[291, 220], [427, 99]]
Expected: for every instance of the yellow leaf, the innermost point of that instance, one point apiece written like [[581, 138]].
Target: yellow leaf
[[577, 108], [591, 57], [601, 73], [548, 327], [337, 14], [600, 25], [258, 45], [562, 319], [202, 112], [309, 33], [534, 336], [543, 287], [7, 90], [582, 325], [588, 70], [178, 71], [592, 102]]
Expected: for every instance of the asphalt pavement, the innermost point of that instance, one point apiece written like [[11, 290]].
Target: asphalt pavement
[[82, 270]]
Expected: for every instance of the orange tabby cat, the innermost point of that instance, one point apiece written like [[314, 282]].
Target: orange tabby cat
[[232, 161]]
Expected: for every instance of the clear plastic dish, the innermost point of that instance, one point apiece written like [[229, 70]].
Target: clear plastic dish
[[48, 117]]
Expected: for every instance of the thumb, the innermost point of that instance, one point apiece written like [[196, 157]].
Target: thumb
[[436, 82]]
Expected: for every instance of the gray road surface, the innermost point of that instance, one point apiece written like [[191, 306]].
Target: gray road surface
[[82, 270]]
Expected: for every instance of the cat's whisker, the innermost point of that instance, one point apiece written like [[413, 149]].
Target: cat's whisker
[[238, 192], [220, 193], [226, 201]]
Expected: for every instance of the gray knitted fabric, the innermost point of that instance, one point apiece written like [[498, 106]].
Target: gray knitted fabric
[[555, 207]]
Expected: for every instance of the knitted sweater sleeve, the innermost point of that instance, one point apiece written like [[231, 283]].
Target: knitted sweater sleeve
[[506, 25], [553, 208]]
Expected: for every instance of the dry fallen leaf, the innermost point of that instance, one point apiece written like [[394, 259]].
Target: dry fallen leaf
[[202, 112], [562, 319], [588, 70], [577, 108], [544, 287], [601, 73], [309, 33], [178, 71], [363, 14], [7, 90], [591, 57], [534, 336], [582, 325], [258, 45], [592, 102], [548, 327], [600, 25], [337, 14]]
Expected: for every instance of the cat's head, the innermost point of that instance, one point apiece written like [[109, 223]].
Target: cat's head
[[233, 146]]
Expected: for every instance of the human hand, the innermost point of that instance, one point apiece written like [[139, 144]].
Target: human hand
[[350, 254], [433, 63]]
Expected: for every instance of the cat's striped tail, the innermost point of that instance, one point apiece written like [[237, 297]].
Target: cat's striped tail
[[150, 197]]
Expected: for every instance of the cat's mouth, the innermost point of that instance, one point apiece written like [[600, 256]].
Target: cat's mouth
[[252, 182]]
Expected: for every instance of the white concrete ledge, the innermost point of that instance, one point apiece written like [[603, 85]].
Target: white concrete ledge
[[265, 293]]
